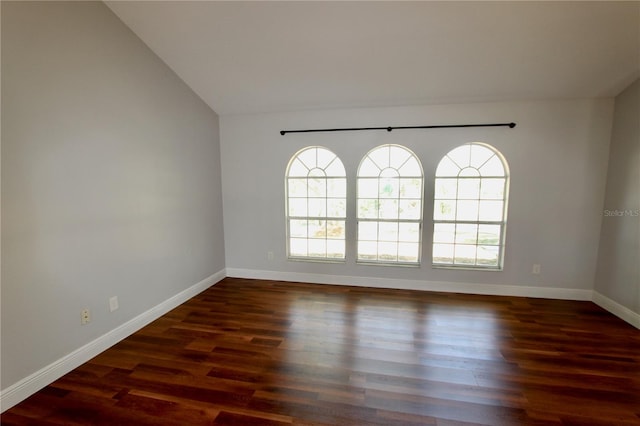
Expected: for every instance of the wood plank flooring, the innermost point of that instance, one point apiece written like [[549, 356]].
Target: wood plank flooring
[[251, 352]]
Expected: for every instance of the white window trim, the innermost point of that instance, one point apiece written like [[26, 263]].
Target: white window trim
[[289, 218], [503, 223], [419, 221]]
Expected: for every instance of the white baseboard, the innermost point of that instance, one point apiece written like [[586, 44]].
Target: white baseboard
[[617, 309], [444, 286], [45, 376]]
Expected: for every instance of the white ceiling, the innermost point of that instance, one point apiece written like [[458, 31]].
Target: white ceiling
[[244, 57]]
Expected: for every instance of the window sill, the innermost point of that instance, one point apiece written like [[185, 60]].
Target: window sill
[[469, 268], [316, 260], [400, 264]]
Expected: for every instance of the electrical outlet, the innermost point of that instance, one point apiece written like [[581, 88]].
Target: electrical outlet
[[85, 317], [269, 255], [113, 303], [536, 269]]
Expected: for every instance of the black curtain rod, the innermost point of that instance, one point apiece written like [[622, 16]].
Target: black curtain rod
[[390, 128]]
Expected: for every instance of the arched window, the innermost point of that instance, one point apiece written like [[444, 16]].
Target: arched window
[[316, 191], [390, 190], [470, 208]]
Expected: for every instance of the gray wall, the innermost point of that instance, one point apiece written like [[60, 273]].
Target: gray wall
[[557, 156], [110, 181], [618, 273]]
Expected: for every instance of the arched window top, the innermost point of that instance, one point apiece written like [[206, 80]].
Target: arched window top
[[474, 159], [390, 160], [315, 161]]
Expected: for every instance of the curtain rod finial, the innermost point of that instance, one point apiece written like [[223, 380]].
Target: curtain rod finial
[[512, 125], [282, 132]]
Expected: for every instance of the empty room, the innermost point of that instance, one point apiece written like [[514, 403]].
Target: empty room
[[320, 213]]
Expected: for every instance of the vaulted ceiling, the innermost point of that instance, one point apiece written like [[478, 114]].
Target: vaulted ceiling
[[245, 57]]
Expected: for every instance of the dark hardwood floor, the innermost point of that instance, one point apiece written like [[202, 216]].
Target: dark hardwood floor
[[249, 352]]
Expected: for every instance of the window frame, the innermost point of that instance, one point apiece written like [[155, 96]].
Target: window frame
[[289, 218], [502, 223], [398, 220]]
